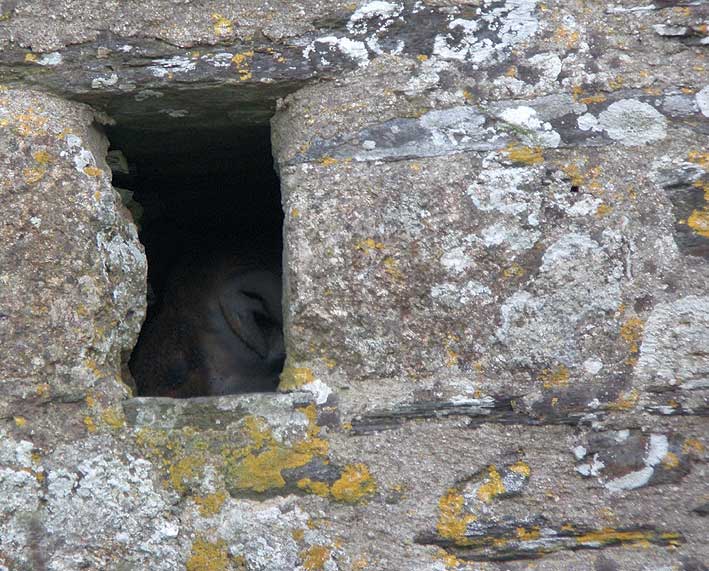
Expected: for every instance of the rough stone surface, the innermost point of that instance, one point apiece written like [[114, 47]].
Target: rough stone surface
[[496, 243]]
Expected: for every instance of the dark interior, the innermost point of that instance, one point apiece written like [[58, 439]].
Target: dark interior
[[194, 192]]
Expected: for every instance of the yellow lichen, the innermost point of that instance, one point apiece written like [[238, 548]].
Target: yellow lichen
[[313, 487], [293, 378], [600, 98], [513, 271], [525, 155], [368, 244], [527, 534], [391, 267], [42, 390], [211, 504], [221, 25], [626, 401], [452, 523], [574, 173], [42, 157], [20, 421], [603, 210], [295, 213], [183, 471], [328, 161], [259, 466], [699, 158], [241, 61], [93, 171], [33, 175], [315, 557], [670, 461], [208, 556], [89, 424], [492, 486], [329, 363], [354, 485], [31, 58], [556, 377], [631, 332], [698, 221], [422, 57], [113, 417], [522, 468], [692, 446], [608, 536]]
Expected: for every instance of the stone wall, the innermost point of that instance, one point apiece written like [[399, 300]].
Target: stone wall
[[497, 317]]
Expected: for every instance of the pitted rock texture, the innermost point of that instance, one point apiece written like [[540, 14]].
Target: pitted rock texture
[[496, 242]]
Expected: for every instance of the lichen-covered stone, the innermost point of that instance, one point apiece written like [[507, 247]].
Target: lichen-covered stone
[[496, 243]]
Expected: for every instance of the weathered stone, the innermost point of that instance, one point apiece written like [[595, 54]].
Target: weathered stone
[[495, 248]]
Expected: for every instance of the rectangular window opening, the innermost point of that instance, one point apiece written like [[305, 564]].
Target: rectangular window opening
[[208, 206]]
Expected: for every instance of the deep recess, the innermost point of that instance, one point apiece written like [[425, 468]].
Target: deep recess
[[200, 189]]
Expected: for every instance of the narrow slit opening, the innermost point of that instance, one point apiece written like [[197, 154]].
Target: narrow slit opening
[[207, 204]]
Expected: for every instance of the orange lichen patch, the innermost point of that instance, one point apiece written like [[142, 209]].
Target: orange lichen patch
[[698, 221], [608, 536], [42, 157], [513, 271], [521, 468], [33, 175], [315, 557], [391, 267], [616, 83], [670, 461], [241, 61], [93, 171], [211, 504], [295, 377], [570, 38], [183, 471], [208, 556], [625, 402], [295, 213], [354, 485], [368, 245], [298, 534], [492, 486], [699, 158], [29, 123], [221, 25], [113, 417], [600, 98], [603, 210], [528, 534], [20, 421], [525, 155], [692, 446], [313, 487], [360, 564], [574, 173], [556, 377], [631, 332], [259, 465], [89, 424], [452, 522], [328, 161]]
